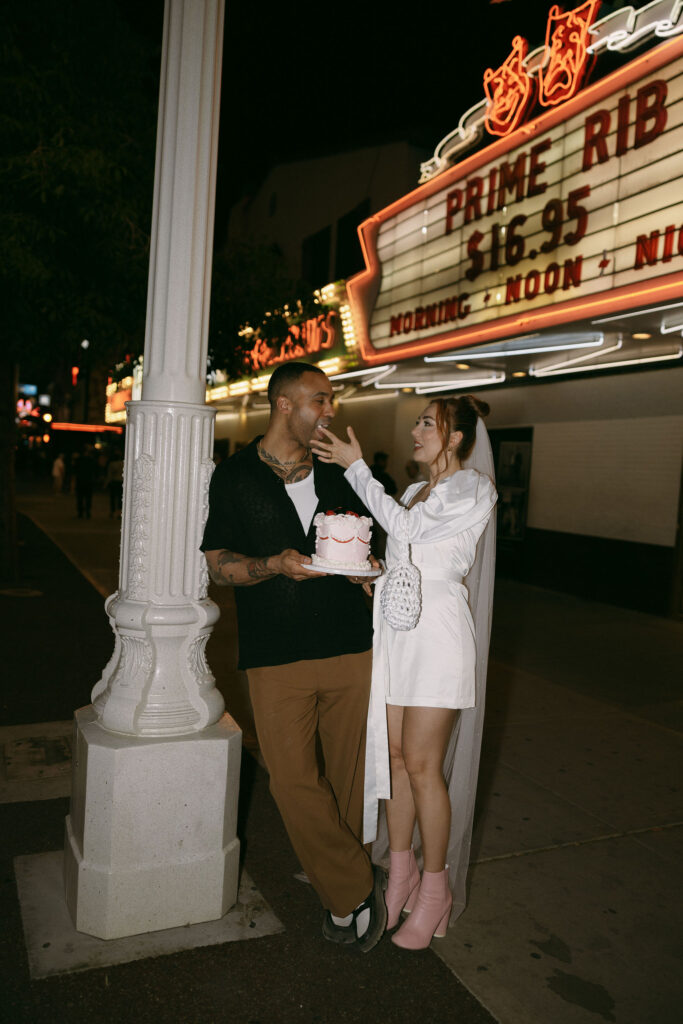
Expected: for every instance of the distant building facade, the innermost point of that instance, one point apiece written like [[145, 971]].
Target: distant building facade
[[311, 209]]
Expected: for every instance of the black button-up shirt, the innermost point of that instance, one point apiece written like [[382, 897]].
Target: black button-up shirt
[[281, 620]]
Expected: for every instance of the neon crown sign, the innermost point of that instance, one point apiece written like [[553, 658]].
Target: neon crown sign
[[554, 72]]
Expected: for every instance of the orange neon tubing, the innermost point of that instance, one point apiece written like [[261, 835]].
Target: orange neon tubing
[[90, 428]]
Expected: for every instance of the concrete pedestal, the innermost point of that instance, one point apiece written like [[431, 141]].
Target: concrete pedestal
[[150, 838]]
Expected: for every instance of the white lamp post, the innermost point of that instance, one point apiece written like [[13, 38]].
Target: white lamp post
[[151, 835]]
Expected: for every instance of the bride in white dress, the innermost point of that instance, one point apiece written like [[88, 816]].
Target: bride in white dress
[[426, 706]]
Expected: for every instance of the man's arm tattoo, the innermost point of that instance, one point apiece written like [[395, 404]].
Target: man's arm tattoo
[[258, 569], [216, 576], [225, 576]]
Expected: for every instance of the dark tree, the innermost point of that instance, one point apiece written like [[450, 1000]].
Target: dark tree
[[78, 101], [248, 281]]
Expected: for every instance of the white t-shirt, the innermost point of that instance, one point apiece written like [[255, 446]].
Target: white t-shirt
[[304, 499]]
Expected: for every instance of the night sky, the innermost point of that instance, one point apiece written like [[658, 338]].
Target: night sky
[[305, 84], [299, 84], [308, 80]]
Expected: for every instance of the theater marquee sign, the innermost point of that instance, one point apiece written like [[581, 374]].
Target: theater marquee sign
[[573, 214]]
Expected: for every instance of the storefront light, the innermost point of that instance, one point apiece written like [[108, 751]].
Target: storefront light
[[330, 366]]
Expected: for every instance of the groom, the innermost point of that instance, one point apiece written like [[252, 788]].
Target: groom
[[305, 642]]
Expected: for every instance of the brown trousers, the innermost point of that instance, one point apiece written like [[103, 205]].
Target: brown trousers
[[306, 713]]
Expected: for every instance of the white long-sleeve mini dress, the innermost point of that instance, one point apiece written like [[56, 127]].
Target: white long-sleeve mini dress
[[433, 664]]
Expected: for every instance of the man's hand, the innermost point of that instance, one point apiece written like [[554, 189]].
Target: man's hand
[[366, 581], [291, 563]]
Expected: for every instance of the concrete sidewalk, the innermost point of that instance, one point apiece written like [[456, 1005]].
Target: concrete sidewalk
[[574, 909]]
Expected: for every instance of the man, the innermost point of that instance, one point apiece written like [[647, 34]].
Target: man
[[305, 641]]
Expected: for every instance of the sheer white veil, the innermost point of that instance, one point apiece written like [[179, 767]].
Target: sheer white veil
[[461, 763]]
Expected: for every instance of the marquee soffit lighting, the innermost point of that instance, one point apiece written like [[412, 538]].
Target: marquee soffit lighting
[[672, 324], [472, 382], [538, 372], [637, 312], [377, 371], [612, 364], [443, 383], [368, 398], [371, 375], [558, 343]]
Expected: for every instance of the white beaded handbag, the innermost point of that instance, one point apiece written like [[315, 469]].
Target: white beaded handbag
[[401, 596]]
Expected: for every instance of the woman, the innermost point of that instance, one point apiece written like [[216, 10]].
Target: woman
[[426, 675]]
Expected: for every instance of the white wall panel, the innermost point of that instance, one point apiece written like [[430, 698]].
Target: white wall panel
[[608, 478]]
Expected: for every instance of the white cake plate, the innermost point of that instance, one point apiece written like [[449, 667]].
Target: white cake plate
[[329, 571]]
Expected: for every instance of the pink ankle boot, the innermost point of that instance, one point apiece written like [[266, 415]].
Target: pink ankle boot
[[404, 881], [430, 913]]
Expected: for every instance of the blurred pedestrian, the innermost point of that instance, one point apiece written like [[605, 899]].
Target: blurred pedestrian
[[412, 470], [114, 484], [379, 471], [84, 474], [58, 471]]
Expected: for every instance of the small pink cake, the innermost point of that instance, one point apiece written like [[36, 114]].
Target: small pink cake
[[342, 541]]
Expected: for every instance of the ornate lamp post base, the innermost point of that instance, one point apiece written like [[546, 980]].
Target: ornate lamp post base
[[151, 837], [150, 840]]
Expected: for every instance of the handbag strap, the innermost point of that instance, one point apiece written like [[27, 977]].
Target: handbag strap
[[403, 541]]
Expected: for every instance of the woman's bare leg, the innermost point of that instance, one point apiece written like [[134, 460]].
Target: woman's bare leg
[[425, 736], [400, 809]]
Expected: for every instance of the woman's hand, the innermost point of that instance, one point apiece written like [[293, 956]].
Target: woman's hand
[[337, 451]]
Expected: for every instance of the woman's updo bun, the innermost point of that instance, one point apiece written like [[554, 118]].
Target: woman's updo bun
[[481, 407], [460, 413]]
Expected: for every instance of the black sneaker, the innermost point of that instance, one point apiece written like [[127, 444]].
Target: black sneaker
[[378, 913], [343, 935]]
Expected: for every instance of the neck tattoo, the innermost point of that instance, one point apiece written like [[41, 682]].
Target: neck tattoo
[[291, 470]]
